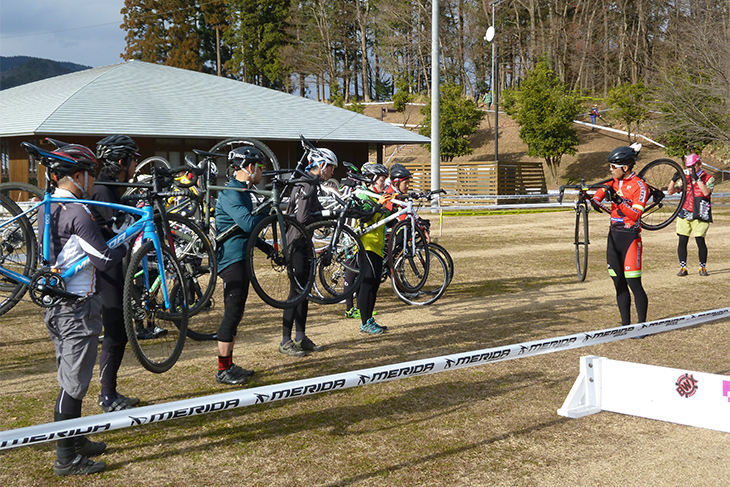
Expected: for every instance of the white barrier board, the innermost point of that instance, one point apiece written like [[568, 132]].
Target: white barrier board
[[662, 393]]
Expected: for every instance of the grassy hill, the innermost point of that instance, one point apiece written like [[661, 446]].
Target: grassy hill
[[19, 70], [588, 163]]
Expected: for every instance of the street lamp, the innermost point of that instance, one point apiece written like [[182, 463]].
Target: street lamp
[[489, 37]]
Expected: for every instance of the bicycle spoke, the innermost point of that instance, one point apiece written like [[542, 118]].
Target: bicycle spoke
[[156, 329]]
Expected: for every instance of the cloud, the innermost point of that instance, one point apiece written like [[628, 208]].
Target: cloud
[[79, 31]]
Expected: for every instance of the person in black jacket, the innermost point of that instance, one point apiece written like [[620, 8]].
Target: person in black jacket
[[306, 208], [118, 155]]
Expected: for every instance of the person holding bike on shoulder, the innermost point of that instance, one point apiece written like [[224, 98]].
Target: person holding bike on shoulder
[[696, 215], [374, 245], [628, 196], [118, 155], [400, 183], [245, 167], [74, 325], [305, 207]]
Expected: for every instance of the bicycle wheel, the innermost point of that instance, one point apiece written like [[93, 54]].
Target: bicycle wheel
[[661, 209], [17, 253], [227, 145], [333, 261], [581, 241], [197, 258], [281, 280], [156, 334], [21, 193], [408, 240], [143, 172], [447, 259], [434, 287]]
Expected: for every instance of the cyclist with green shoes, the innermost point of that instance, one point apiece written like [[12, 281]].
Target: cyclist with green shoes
[[374, 243]]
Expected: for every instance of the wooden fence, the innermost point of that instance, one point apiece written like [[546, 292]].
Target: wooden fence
[[479, 182]]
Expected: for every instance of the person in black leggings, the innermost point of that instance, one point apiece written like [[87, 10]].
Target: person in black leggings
[[245, 166], [373, 243], [306, 208], [119, 155]]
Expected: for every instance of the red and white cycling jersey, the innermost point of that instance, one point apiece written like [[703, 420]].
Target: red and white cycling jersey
[[634, 194]]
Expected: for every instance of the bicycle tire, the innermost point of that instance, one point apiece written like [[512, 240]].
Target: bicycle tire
[[447, 258], [144, 308], [25, 191], [661, 209], [581, 241], [272, 272], [17, 253], [412, 272], [435, 285], [197, 257], [225, 146], [329, 284], [143, 171]]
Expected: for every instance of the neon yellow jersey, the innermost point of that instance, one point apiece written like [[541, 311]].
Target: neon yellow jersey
[[374, 240]]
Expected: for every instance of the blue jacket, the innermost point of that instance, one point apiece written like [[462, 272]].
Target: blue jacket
[[234, 208]]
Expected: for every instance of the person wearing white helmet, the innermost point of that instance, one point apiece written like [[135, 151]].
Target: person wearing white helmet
[[695, 216], [306, 208]]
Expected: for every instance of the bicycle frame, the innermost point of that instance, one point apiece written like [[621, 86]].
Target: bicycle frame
[[145, 226]]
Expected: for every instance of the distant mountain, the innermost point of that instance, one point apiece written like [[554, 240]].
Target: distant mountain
[[19, 70]]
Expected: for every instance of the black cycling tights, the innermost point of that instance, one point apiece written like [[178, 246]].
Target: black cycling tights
[[701, 249], [623, 298], [368, 292], [235, 293]]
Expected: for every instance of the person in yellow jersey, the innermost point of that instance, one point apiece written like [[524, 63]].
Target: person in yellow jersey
[[374, 244]]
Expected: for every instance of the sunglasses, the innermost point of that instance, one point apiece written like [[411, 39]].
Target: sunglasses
[[616, 166]]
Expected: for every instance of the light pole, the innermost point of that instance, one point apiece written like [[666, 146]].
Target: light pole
[[489, 37], [435, 107]]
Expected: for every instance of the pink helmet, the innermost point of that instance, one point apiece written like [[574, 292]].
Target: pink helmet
[[691, 160]]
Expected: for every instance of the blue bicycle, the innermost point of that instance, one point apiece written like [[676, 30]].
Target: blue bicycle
[[155, 299]]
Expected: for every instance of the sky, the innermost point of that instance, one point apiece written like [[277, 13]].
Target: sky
[[79, 31]]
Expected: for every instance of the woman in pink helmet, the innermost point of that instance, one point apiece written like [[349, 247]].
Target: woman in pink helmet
[[695, 216]]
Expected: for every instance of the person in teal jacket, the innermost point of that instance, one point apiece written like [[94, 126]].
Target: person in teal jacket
[[245, 166]]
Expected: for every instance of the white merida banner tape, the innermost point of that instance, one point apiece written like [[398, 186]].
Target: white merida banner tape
[[288, 390]]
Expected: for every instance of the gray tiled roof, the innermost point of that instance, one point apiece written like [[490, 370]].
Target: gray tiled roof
[[144, 99]]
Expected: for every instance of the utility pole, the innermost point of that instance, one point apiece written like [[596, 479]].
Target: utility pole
[[435, 107]]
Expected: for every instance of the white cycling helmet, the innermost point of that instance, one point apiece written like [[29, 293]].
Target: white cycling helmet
[[322, 157]]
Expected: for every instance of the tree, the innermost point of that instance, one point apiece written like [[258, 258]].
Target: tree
[[545, 111], [630, 105], [459, 119], [258, 30], [164, 32]]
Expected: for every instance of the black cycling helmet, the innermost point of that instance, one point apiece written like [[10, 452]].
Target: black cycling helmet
[[243, 156], [624, 155], [114, 148], [373, 170], [398, 172], [73, 158]]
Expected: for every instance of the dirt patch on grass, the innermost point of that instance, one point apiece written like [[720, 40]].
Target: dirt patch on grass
[[488, 425]]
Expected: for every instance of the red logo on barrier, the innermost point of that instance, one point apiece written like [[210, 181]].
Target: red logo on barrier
[[686, 385]]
